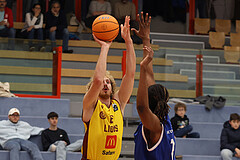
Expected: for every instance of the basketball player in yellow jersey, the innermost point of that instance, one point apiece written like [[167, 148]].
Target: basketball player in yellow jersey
[[103, 107]]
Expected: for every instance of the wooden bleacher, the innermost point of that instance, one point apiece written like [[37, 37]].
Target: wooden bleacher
[[237, 26], [31, 87], [118, 75], [85, 43], [111, 59], [222, 25], [217, 39], [235, 39], [81, 89], [202, 25], [74, 57], [79, 73], [13, 70], [114, 45], [25, 55], [20, 25], [232, 54]]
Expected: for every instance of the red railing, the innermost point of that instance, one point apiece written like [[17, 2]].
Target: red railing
[[19, 10], [124, 59], [136, 5], [191, 16], [78, 9], [199, 75], [47, 5], [124, 63]]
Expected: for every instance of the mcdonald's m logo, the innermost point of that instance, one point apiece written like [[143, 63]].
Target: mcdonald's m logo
[[111, 142]]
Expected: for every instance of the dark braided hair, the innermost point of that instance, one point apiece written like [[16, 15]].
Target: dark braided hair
[[158, 97]]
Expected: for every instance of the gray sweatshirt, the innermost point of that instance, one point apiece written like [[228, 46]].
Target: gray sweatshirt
[[22, 130]]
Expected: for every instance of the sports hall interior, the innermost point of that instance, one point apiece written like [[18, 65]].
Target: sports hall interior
[[192, 57]]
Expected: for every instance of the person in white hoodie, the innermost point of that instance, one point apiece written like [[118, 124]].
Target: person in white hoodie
[[14, 135], [34, 24]]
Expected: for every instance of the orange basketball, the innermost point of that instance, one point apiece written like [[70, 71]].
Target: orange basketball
[[105, 27]]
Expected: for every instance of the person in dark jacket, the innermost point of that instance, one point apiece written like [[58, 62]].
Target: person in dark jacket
[[230, 138], [62, 3], [56, 26], [56, 140], [180, 123]]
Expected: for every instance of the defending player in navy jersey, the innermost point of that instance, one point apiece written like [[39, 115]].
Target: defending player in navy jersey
[[154, 138]]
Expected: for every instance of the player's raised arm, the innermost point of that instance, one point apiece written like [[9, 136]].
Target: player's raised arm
[[148, 118], [91, 96], [144, 34], [126, 87]]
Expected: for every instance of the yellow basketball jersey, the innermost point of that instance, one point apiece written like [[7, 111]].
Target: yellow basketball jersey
[[103, 133]]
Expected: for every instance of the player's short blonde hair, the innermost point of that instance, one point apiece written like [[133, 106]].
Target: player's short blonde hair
[[113, 83]]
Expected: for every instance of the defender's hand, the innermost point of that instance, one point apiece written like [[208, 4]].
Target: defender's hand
[[144, 26]]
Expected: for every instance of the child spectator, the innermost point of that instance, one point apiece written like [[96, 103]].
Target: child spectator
[[230, 138], [97, 8], [56, 140], [56, 26], [34, 23], [180, 123]]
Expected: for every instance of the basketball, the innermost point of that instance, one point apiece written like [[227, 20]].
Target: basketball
[[105, 27]]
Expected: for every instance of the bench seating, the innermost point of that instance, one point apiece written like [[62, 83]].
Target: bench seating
[[202, 25], [74, 57], [217, 39], [35, 106], [46, 155], [81, 89], [201, 157], [84, 43], [191, 147], [111, 59], [20, 25], [73, 126], [223, 25], [232, 54]]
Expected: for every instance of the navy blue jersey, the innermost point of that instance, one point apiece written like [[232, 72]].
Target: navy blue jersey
[[164, 149]]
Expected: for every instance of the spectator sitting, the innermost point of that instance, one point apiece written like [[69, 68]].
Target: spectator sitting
[[62, 3], [121, 10], [180, 123], [56, 26], [97, 8], [125, 8], [230, 138], [6, 23], [56, 139], [34, 23], [113, 2], [14, 135]]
